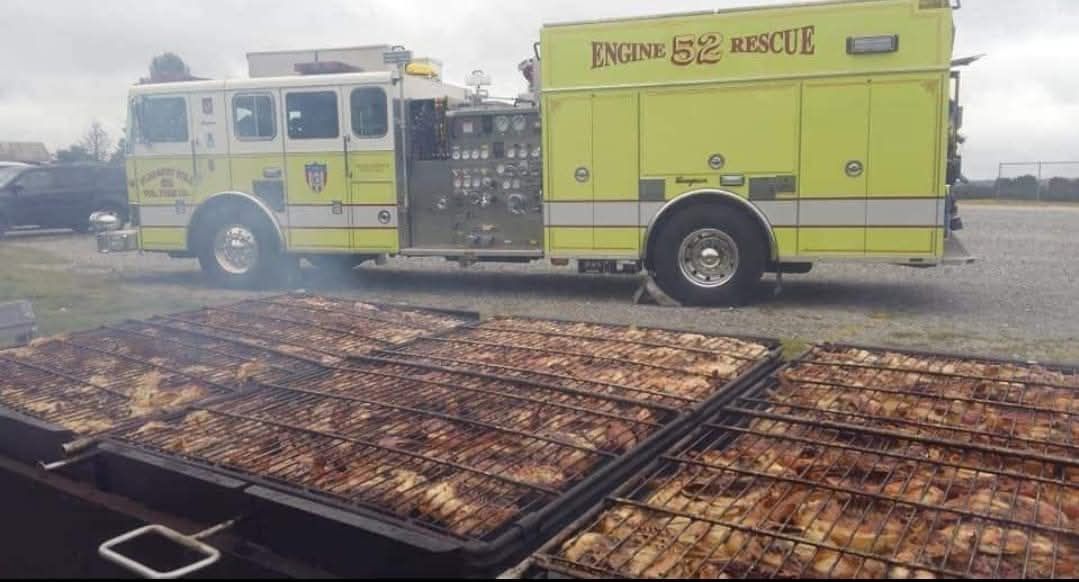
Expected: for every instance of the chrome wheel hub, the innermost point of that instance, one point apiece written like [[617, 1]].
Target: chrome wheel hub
[[236, 249], [709, 258]]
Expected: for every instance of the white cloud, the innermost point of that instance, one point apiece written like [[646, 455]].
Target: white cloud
[[68, 63]]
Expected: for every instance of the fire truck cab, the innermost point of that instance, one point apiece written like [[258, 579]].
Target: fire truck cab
[[706, 149]]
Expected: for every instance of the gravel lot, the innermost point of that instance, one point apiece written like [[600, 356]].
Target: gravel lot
[[1021, 300]]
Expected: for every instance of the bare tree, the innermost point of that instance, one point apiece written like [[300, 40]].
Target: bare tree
[[97, 142]]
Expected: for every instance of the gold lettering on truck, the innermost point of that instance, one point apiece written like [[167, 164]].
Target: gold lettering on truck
[[704, 49]]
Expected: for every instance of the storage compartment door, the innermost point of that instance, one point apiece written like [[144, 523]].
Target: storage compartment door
[[906, 189], [569, 201], [616, 161], [835, 144]]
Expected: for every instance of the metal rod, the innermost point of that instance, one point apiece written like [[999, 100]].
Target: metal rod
[[276, 340], [908, 436], [304, 324], [407, 351], [433, 414], [1018, 381], [145, 363], [395, 450], [516, 380], [784, 537], [237, 341], [409, 325], [496, 325], [787, 377], [459, 340]]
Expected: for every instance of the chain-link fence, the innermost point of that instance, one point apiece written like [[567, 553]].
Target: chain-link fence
[[1031, 181]]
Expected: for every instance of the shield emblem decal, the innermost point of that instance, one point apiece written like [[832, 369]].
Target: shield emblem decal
[[316, 176]]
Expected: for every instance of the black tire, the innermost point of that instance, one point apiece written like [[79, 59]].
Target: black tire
[[270, 268], [735, 287]]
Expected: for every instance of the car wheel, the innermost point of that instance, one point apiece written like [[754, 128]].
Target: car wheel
[[240, 251], [710, 256]]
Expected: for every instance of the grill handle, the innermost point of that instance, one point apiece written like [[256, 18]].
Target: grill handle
[[193, 542]]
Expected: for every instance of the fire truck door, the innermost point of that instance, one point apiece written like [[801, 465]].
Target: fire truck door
[[210, 146], [257, 147], [570, 209], [372, 168], [318, 189], [835, 151]]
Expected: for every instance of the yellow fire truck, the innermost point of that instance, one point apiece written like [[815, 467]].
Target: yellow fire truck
[[704, 149]]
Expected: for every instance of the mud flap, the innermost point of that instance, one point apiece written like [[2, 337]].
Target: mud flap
[[649, 293]]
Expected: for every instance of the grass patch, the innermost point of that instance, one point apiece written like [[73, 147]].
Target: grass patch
[[67, 301], [794, 347]]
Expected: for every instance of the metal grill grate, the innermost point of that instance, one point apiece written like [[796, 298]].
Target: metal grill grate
[[321, 326], [857, 464], [674, 369], [457, 453], [89, 390]]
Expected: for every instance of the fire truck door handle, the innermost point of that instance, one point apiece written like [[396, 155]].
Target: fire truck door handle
[[854, 168], [582, 174]]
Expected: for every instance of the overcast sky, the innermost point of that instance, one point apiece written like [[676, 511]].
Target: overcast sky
[[66, 63]]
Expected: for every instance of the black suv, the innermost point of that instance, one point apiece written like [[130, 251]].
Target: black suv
[[62, 196]]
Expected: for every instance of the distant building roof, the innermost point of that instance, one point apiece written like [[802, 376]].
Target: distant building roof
[[26, 152]]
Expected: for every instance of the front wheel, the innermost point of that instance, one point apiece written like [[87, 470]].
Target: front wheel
[[710, 256], [240, 252]]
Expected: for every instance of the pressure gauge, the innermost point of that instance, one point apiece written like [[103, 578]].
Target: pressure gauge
[[456, 153], [502, 124], [519, 123], [485, 153], [501, 169], [475, 154], [511, 153], [507, 184]]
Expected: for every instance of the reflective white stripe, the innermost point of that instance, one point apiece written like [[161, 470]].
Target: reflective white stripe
[[780, 213], [854, 213], [165, 216], [368, 216], [350, 217], [316, 217], [649, 210], [925, 212], [831, 212], [571, 214]]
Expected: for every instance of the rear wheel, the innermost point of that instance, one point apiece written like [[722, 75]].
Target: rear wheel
[[710, 256], [240, 251]]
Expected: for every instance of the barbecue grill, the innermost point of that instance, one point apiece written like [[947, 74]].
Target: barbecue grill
[[322, 327], [854, 463], [454, 454], [84, 385]]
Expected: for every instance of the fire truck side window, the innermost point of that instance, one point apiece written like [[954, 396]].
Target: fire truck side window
[[253, 117], [164, 119], [369, 112], [312, 115]]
